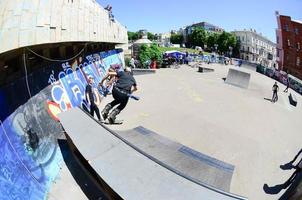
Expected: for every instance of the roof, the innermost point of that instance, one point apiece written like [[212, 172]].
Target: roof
[[142, 41], [298, 21]]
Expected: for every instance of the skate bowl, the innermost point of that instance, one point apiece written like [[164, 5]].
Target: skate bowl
[[130, 172], [238, 78], [143, 71]]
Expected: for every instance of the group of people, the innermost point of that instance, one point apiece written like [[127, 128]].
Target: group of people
[[172, 59], [123, 85]]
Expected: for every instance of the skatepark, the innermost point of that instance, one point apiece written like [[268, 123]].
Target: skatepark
[[243, 129], [234, 126], [198, 131]]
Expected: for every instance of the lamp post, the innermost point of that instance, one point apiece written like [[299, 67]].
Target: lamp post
[[216, 47], [231, 51]]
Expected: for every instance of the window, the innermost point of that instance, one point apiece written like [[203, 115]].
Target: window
[[288, 42], [242, 38], [277, 39], [248, 49], [298, 46], [296, 31], [298, 61], [286, 27]]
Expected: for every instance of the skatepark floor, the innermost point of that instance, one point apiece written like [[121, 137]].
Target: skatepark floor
[[232, 124]]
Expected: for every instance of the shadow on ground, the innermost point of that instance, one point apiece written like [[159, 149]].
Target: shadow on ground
[[268, 99], [293, 190]]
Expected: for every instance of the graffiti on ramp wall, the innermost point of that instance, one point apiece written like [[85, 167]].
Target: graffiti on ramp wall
[[31, 158]]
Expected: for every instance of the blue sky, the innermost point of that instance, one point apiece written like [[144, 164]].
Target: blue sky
[[159, 16]]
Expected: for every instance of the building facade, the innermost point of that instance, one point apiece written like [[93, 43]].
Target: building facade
[[164, 39], [256, 48], [207, 26], [289, 44]]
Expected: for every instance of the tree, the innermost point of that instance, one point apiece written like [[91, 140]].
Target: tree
[[151, 36], [132, 36], [223, 42], [148, 54], [198, 37], [155, 53], [212, 40], [144, 54], [236, 49], [176, 38]]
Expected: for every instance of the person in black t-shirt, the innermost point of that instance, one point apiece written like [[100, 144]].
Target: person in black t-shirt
[[124, 86], [92, 98], [287, 85], [275, 92]]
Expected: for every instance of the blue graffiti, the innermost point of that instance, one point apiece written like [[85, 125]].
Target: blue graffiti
[[71, 87]]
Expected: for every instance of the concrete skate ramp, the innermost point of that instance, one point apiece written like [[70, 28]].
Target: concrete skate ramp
[[193, 164], [129, 172], [138, 71], [238, 78]]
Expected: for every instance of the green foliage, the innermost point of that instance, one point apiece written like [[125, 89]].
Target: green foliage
[[144, 54], [198, 37], [151, 36], [224, 41], [155, 53], [132, 36], [127, 61], [149, 53], [212, 40], [176, 39], [236, 49]]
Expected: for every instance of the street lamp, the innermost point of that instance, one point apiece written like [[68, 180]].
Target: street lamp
[[216, 46], [231, 51]]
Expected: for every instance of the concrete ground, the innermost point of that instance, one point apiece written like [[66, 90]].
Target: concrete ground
[[232, 124]]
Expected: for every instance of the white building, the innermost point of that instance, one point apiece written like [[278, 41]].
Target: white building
[[256, 48], [164, 39]]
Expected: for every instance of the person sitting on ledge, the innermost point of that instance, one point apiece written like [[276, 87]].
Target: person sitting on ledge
[[109, 9]]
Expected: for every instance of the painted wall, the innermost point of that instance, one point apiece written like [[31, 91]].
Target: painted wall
[[30, 157]]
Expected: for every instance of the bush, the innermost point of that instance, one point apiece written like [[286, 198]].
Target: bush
[[148, 54]]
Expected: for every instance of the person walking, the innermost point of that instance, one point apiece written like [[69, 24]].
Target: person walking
[[132, 63], [275, 92], [123, 88], [287, 85], [92, 98]]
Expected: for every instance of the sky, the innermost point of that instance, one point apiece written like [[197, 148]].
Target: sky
[[160, 16]]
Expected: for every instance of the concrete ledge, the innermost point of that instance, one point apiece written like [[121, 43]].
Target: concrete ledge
[[143, 71], [204, 69], [292, 99], [238, 78]]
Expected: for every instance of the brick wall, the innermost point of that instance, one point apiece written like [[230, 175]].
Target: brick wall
[[289, 45]]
